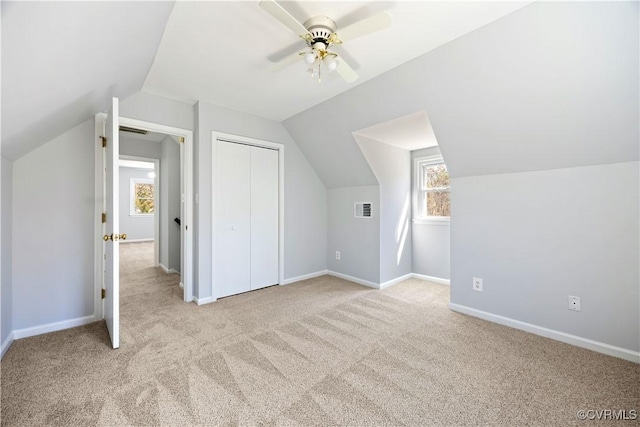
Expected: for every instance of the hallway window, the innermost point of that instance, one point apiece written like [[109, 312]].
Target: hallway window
[[142, 197], [433, 188]]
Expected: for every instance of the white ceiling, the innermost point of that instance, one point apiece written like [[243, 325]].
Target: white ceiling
[[217, 51], [62, 61], [411, 132]]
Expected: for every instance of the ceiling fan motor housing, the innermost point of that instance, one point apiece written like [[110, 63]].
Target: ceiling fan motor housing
[[321, 29]]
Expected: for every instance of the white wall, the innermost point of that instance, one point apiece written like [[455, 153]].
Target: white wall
[[170, 204], [357, 239], [305, 211], [7, 219], [431, 250], [431, 241], [136, 227], [392, 167], [537, 237], [2, 206], [53, 230], [138, 147], [158, 109], [551, 86]]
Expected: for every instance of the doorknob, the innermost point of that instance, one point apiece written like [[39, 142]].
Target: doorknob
[[114, 237]]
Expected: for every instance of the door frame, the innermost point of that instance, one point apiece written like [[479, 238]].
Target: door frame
[[237, 139], [186, 160]]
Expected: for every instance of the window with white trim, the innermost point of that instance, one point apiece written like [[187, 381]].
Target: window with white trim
[[142, 196], [432, 189]]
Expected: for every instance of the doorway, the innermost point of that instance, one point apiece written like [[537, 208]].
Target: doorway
[[139, 201], [183, 139]]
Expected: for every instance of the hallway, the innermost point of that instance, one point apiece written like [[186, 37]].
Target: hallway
[[147, 293]]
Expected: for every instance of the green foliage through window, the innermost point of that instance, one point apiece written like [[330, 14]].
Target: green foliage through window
[[144, 198]]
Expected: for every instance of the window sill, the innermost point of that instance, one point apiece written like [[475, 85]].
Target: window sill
[[432, 221]]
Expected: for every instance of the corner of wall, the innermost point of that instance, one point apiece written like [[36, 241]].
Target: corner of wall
[[6, 291]]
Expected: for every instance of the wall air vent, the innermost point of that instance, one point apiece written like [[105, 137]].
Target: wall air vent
[[133, 130], [362, 210]]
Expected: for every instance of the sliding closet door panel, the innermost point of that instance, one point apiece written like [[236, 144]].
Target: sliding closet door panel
[[232, 219], [264, 217]]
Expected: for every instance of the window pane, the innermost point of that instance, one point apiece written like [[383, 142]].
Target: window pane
[[144, 191], [437, 177], [144, 206], [144, 198], [438, 203]]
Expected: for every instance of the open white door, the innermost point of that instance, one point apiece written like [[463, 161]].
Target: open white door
[[112, 250]]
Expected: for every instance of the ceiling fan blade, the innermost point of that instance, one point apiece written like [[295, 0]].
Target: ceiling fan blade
[[285, 62], [346, 72], [275, 10], [368, 25], [284, 52]]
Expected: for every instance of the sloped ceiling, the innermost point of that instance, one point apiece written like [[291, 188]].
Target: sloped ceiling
[[553, 85], [62, 61], [412, 132], [219, 52]]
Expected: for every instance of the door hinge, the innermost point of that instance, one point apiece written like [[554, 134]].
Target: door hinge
[[104, 293], [181, 138], [104, 217], [104, 141]]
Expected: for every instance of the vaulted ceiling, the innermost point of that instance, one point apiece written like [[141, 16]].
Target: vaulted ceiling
[[62, 61], [553, 85]]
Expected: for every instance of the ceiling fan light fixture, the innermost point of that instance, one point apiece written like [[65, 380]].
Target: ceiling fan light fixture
[[310, 58], [332, 64], [320, 35]]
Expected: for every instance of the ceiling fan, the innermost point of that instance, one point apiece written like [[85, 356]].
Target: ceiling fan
[[320, 33]]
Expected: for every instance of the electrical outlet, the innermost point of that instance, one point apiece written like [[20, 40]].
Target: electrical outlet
[[477, 284], [338, 255], [574, 303]]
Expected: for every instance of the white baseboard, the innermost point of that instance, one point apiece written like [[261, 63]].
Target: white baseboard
[[611, 350], [389, 282], [6, 344], [304, 277], [167, 270], [430, 278], [136, 241], [354, 279], [52, 327], [202, 301], [396, 280]]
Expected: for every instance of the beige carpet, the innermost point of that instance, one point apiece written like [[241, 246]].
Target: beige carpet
[[319, 352]]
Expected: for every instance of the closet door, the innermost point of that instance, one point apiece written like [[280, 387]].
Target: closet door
[[264, 217], [232, 220]]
